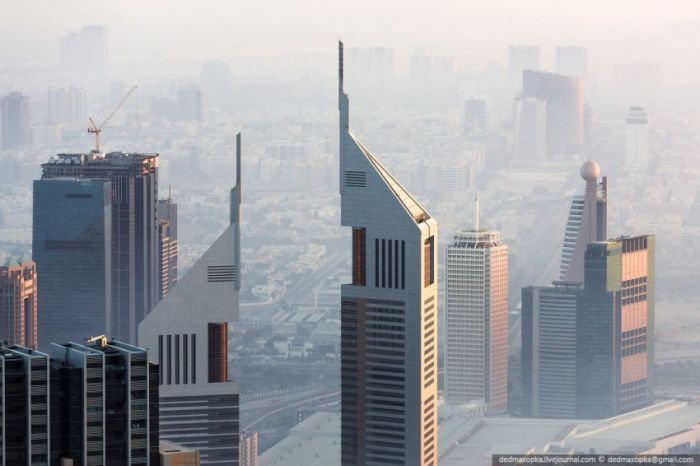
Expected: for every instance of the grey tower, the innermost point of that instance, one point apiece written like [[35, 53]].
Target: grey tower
[[187, 334], [388, 313]]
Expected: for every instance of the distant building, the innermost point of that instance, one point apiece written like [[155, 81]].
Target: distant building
[[477, 320], [521, 58], [217, 84], [104, 390], [637, 139], [587, 223], [190, 104], [24, 375], [67, 106], [615, 327], [572, 61], [18, 302], [389, 334], [86, 49], [548, 351], [15, 121], [249, 449], [530, 134], [564, 99], [133, 241], [370, 65], [475, 116], [188, 335], [72, 247], [637, 82], [166, 213]]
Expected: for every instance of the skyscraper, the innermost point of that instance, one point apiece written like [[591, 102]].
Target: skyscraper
[[167, 245], [15, 129], [85, 49], [67, 106], [475, 116], [249, 449], [477, 319], [18, 302], [615, 327], [530, 135], [187, 333], [102, 403], [190, 104], [388, 313], [24, 375], [587, 223], [134, 243], [564, 98], [572, 61], [217, 84], [637, 139], [72, 247], [549, 350]]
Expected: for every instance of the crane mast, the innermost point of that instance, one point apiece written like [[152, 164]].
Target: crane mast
[[97, 130]]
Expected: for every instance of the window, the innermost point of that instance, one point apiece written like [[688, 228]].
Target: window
[[429, 261], [359, 256]]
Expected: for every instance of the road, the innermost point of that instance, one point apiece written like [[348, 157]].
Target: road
[[255, 412]]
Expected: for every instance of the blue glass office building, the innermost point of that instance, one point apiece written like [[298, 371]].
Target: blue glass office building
[[72, 238]]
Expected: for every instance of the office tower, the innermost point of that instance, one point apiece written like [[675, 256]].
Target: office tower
[[572, 61], [15, 127], [24, 375], [637, 139], [419, 69], [615, 327], [133, 233], [166, 214], [564, 98], [388, 313], [72, 247], [190, 105], [103, 402], [249, 449], [521, 58], [475, 116], [217, 83], [67, 106], [18, 302], [477, 319], [587, 222], [530, 135], [86, 49], [187, 333], [549, 379]]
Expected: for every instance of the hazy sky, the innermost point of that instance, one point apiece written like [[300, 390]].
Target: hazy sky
[[612, 29]]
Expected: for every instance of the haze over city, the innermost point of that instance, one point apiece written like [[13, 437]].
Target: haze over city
[[349, 233]]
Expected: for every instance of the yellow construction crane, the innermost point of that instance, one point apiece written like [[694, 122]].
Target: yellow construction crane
[[93, 128]]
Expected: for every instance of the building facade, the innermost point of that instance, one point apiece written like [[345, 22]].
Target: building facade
[[565, 114], [72, 247], [388, 314], [548, 351], [166, 213], [637, 139], [18, 302], [24, 409], [615, 327], [187, 333], [477, 320], [572, 61], [249, 449], [587, 222], [134, 243], [15, 121], [530, 136]]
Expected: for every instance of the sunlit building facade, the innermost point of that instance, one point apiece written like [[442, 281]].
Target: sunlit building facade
[[389, 332], [477, 320], [18, 302], [187, 335]]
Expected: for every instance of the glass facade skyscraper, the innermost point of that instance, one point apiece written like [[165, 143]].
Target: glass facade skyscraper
[[72, 248]]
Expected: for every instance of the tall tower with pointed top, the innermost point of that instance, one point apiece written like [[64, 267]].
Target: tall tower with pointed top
[[389, 332], [476, 358], [187, 334]]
